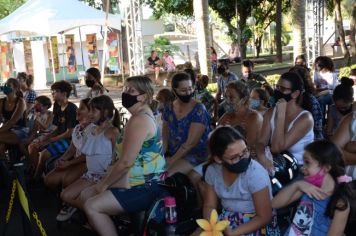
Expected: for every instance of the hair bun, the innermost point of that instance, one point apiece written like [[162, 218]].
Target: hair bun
[[347, 82]]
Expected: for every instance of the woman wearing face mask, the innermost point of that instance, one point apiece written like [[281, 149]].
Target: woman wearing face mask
[[92, 80], [186, 125], [131, 185], [259, 100], [12, 108], [287, 126], [237, 93], [240, 184], [344, 104]]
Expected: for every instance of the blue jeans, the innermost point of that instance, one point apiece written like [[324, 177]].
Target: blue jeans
[[324, 100]]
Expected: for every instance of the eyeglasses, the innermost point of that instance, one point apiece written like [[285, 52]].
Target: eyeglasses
[[238, 157], [54, 91], [282, 88]]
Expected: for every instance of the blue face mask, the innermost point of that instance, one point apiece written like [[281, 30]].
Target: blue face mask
[[254, 103]]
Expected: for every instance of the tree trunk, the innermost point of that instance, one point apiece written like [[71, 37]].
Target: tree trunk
[[298, 16], [243, 27], [258, 44], [353, 32], [201, 12], [341, 31], [279, 31]]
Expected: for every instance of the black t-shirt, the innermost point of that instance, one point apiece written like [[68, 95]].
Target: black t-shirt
[[64, 119], [153, 62]]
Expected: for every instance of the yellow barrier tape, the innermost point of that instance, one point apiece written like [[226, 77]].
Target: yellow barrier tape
[[11, 202], [23, 199]]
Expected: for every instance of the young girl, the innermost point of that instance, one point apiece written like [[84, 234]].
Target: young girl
[[98, 147], [325, 194], [92, 80], [69, 169], [241, 185]]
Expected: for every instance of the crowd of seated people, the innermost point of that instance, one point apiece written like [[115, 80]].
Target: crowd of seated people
[[102, 171]]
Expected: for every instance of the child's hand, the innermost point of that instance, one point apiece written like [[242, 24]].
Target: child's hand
[[311, 190]]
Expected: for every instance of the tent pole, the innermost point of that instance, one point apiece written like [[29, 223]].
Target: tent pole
[[81, 47], [52, 60], [105, 46], [63, 58]]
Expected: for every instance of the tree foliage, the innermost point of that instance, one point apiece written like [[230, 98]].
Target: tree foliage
[[8, 6]]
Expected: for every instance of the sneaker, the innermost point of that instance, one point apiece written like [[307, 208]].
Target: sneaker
[[66, 213]]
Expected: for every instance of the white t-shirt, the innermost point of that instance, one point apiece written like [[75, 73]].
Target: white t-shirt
[[238, 196]]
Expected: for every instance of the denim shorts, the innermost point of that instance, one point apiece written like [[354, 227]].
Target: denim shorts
[[137, 198], [20, 132]]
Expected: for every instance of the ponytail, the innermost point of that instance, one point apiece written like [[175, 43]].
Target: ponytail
[[116, 119], [343, 197]]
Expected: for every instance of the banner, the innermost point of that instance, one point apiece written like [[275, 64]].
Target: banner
[[71, 60], [113, 48], [28, 56], [92, 50], [55, 54], [5, 61]]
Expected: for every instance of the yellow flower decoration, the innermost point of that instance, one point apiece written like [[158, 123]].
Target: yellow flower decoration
[[212, 228]]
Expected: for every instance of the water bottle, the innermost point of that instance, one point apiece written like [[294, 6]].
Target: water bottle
[[171, 215]]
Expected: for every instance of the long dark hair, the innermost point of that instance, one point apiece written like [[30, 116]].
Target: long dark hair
[[16, 86], [344, 91], [327, 153], [297, 83], [96, 75], [104, 103]]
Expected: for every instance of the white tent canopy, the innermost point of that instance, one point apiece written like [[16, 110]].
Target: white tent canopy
[[49, 17]]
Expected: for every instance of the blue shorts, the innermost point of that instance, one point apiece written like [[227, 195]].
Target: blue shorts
[[58, 148], [20, 132], [137, 198]]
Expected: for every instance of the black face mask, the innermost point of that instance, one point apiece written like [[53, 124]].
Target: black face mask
[[238, 167], [129, 100], [221, 70], [345, 112], [184, 98], [278, 95], [90, 83]]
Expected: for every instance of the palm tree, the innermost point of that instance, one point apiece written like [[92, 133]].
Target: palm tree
[[201, 12], [353, 32], [298, 16], [341, 31], [279, 30]]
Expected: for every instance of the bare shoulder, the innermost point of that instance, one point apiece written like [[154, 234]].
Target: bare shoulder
[[112, 132]]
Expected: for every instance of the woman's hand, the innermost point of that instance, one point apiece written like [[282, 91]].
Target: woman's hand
[[281, 106], [311, 190], [63, 164]]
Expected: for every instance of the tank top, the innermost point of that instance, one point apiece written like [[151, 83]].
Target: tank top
[[8, 114], [310, 218], [79, 136], [149, 164], [296, 149], [98, 151]]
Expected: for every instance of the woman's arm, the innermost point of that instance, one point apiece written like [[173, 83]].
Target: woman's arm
[[165, 136], [196, 130], [112, 134], [282, 140], [18, 114], [338, 223], [263, 216], [263, 140], [210, 201], [329, 124], [254, 129], [136, 131], [342, 137]]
